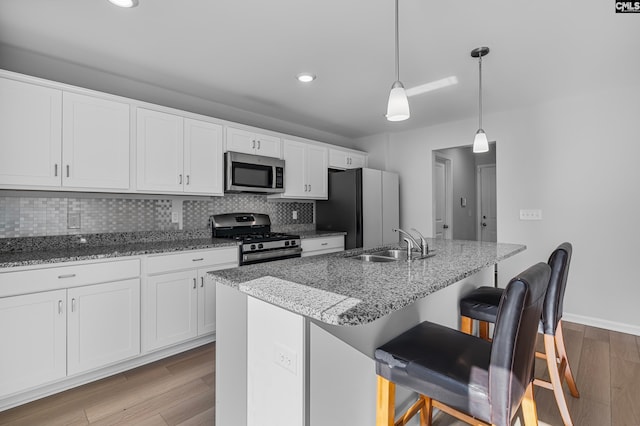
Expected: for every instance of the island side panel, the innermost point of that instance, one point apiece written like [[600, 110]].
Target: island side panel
[[231, 356], [342, 368]]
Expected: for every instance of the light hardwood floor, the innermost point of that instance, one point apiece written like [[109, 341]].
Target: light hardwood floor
[[180, 390]]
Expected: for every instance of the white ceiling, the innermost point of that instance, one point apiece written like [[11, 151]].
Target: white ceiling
[[246, 53]]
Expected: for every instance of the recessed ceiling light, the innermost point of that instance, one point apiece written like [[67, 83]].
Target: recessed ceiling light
[[306, 77], [125, 3]]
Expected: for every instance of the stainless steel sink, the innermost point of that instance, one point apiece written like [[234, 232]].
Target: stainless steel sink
[[373, 258], [396, 254]]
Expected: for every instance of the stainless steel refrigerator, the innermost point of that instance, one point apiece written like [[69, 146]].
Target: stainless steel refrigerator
[[365, 204]]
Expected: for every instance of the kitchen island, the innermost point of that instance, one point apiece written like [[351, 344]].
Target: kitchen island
[[295, 338]]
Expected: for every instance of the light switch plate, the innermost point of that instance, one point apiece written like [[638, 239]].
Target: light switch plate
[[73, 220], [175, 217], [530, 214]]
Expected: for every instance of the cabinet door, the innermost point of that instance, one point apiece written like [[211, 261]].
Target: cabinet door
[[103, 324], [160, 151], [206, 303], [171, 309], [269, 146], [239, 140], [357, 160], [338, 159], [30, 134], [317, 172], [95, 138], [295, 184], [203, 162], [33, 336]]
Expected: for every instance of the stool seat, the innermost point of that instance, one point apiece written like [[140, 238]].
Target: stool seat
[[457, 372], [481, 304]]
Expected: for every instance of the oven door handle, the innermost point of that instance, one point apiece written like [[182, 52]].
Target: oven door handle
[[268, 254]]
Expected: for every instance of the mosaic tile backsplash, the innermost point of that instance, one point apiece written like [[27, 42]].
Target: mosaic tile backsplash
[[41, 216]]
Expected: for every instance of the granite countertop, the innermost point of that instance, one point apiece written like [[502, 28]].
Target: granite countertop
[[337, 289]]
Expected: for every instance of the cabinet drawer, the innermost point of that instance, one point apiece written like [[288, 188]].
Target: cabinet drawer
[[315, 244], [191, 259], [51, 278]]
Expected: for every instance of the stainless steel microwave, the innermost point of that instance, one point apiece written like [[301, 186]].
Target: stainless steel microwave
[[253, 173]]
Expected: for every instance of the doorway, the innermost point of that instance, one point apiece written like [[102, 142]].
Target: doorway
[[464, 194]]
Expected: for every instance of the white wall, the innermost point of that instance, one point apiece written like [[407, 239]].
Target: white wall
[[574, 158]]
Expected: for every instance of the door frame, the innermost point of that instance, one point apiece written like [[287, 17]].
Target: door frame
[[438, 157], [479, 199]]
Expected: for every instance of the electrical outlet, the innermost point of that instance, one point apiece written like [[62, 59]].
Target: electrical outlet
[[175, 217], [531, 214], [285, 358], [73, 220], [294, 214]]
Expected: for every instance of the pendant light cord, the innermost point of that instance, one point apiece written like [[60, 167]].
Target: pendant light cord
[[397, 46], [480, 90]]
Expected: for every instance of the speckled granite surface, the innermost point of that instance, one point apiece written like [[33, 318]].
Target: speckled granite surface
[[340, 290], [15, 252]]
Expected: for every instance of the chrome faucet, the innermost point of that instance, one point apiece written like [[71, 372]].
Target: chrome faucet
[[424, 247], [411, 242]]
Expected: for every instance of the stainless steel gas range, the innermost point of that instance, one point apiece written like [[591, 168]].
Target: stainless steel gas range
[[257, 242]]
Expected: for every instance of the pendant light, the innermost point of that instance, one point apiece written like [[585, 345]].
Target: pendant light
[[398, 105], [480, 143]]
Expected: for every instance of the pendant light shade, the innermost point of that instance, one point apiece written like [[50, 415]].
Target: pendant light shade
[[480, 142], [398, 105]]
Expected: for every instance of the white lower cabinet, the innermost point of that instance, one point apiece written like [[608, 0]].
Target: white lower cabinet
[[322, 245], [103, 324], [33, 336], [179, 301]]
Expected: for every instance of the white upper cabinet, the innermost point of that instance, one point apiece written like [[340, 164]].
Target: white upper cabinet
[[239, 140], [343, 159], [95, 142], [176, 154], [203, 162], [306, 172], [30, 134]]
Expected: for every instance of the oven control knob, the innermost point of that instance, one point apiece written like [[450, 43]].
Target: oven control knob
[[286, 243], [293, 242], [253, 247], [260, 246]]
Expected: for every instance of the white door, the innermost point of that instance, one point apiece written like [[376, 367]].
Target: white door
[[206, 302], [295, 184], [317, 172], [238, 140], [103, 324], [160, 151], [95, 138], [30, 134], [442, 198], [33, 336], [203, 162], [487, 208], [171, 311], [269, 146]]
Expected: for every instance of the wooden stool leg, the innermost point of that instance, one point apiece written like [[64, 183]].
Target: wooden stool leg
[[427, 411], [562, 353], [529, 407], [484, 330], [552, 365], [386, 406], [466, 325]]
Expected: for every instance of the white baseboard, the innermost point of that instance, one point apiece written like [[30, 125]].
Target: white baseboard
[[602, 323]]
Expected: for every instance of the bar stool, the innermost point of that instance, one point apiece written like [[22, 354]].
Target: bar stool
[[482, 305], [479, 382]]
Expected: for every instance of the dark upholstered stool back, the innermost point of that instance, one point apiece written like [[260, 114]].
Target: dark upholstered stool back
[[513, 347], [559, 262]]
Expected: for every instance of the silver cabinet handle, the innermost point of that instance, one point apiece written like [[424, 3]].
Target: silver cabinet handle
[[198, 259], [305, 187], [201, 281], [55, 169], [324, 244], [258, 144], [60, 307], [309, 187], [254, 144], [66, 276], [67, 170], [194, 283], [187, 179], [73, 304], [180, 179]]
